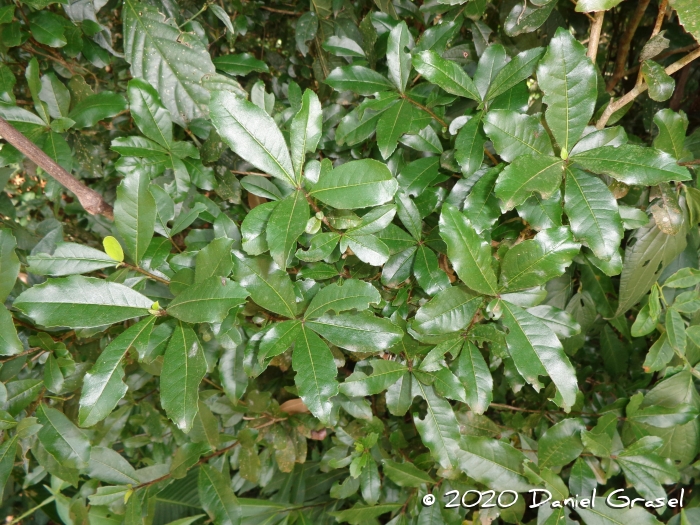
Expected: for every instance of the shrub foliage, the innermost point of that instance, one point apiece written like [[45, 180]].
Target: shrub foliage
[[322, 260]]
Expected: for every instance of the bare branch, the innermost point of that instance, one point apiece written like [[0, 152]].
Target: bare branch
[[623, 49], [594, 39], [92, 201]]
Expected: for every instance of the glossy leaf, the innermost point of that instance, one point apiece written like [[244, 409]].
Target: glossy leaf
[[135, 214]]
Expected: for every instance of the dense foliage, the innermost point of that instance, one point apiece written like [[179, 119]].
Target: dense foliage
[[346, 255]]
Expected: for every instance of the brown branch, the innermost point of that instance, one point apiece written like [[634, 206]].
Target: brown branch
[[613, 106], [424, 108], [659, 18], [690, 163], [318, 210], [92, 201], [280, 11], [624, 46], [146, 273], [249, 173], [666, 54], [594, 39]]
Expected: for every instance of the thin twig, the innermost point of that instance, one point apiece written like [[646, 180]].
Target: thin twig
[[659, 18], [638, 90], [324, 219], [427, 110], [92, 201], [255, 173], [624, 46], [280, 11], [666, 54], [594, 39], [146, 273]]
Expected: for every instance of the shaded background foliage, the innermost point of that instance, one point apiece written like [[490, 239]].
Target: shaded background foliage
[[340, 244]]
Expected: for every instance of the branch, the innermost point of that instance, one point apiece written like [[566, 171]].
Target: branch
[[92, 201], [594, 39], [666, 54], [641, 88], [625, 44]]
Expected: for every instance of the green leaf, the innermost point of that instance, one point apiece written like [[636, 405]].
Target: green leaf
[[527, 174], [601, 514], [316, 373], [469, 145], [9, 263], [593, 213], [481, 206], [148, 112], [352, 294], [171, 61], [394, 122], [493, 463], [449, 311], [322, 245], [94, 108], [632, 164], [55, 95], [208, 301], [48, 28], [268, 286], [112, 248], [109, 466], [536, 351], [474, 374], [286, 224], [81, 302], [671, 138], [405, 474], [683, 278], [493, 59], [305, 131], [409, 215], [568, 79], [135, 214], [427, 271], [589, 6], [661, 85], [542, 213], [9, 342], [397, 58], [359, 514], [439, 429], [217, 497], [560, 444], [469, 253], [521, 67], [356, 184], [240, 65], [537, 261], [254, 228], [645, 259], [8, 450], [514, 134], [384, 374], [184, 367], [214, 260], [277, 339], [357, 332], [368, 248], [675, 330], [21, 393], [526, 18], [103, 385], [359, 79], [251, 133], [62, 439], [688, 16], [446, 74]]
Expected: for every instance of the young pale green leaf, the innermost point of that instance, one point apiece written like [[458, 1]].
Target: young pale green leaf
[[251, 133], [286, 224], [135, 214], [528, 174], [357, 332], [268, 286], [360, 79], [9, 342], [633, 164], [356, 184], [514, 134], [593, 213], [493, 463], [536, 351], [217, 497], [171, 61], [439, 429], [469, 145], [446, 74], [103, 386], [474, 373], [405, 474], [469, 253], [208, 301], [537, 261], [305, 131], [397, 58], [384, 374], [661, 84], [449, 311], [81, 302], [184, 366], [62, 439], [316, 373], [351, 295], [9, 263], [518, 69], [112, 248], [148, 112], [568, 79]]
